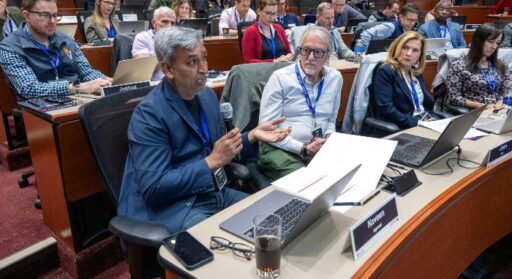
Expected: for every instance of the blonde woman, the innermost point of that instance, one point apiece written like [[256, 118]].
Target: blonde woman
[[103, 24], [401, 96]]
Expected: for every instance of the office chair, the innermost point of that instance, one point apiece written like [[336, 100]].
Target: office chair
[[9, 108], [105, 122], [148, 16], [241, 28], [121, 49], [243, 89]]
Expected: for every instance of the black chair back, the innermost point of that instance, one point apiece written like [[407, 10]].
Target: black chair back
[[122, 49], [241, 28], [105, 122]]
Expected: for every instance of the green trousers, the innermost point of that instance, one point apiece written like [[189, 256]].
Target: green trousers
[[275, 163]]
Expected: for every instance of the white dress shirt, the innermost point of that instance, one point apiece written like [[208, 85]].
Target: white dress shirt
[[283, 96], [230, 18]]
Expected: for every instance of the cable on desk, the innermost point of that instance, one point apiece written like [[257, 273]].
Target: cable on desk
[[458, 160]]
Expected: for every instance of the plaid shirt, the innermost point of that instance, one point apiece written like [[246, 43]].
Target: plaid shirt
[[27, 84]]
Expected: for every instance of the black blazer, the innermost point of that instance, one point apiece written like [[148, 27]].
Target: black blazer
[[393, 101]]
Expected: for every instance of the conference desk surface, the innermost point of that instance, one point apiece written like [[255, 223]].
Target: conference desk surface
[[444, 224]]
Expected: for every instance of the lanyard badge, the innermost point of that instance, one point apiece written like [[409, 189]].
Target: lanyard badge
[[312, 108], [491, 79]]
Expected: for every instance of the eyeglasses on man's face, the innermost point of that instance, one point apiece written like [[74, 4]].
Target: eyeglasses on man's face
[[317, 52], [46, 15], [238, 249]]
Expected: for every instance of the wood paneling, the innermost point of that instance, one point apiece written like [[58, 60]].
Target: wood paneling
[[223, 53], [475, 14]]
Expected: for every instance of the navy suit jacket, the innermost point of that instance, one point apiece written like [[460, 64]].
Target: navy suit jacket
[[165, 168], [288, 19], [393, 100]]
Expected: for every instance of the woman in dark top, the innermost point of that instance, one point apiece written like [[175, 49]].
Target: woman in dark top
[[401, 96], [479, 78], [265, 41]]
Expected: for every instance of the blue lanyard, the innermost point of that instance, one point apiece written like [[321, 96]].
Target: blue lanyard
[[236, 16], [312, 108], [491, 80], [442, 34], [205, 133], [334, 41], [415, 94], [281, 19], [55, 63], [271, 42]]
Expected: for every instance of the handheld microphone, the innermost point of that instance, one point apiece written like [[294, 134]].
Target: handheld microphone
[[227, 113]]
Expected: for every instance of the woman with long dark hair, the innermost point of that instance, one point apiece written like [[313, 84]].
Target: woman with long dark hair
[[479, 78]]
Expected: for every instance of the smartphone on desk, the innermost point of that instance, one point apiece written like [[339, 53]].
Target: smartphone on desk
[[188, 250]]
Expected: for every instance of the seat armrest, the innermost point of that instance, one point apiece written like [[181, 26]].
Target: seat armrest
[[237, 170], [388, 127], [138, 232]]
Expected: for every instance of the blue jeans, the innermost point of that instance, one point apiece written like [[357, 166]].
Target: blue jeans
[[210, 203]]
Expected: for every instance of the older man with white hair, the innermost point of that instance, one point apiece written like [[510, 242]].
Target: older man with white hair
[[144, 42], [307, 93]]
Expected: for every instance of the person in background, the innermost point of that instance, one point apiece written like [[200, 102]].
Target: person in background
[[40, 62], [407, 19], [159, 3], [344, 13], [441, 28], [325, 18], [183, 9], [144, 42], [479, 78], [389, 13], [103, 24], [308, 94], [500, 7], [265, 41], [401, 96], [286, 20], [10, 19], [177, 142], [230, 18], [507, 36]]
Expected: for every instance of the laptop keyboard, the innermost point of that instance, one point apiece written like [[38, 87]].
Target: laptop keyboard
[[289, 213], [411, 149]]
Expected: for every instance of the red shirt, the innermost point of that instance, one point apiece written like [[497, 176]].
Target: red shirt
[[498, 8]]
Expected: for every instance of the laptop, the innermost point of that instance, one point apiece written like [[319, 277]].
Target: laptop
[[352, 24], [377, 46], [296, 213], [134, 70], [132, 27], [68, 29], [416, 151], [494, 124], [435, 47], [199, 24]]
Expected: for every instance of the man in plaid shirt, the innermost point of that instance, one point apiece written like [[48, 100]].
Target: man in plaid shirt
[[40, 62]]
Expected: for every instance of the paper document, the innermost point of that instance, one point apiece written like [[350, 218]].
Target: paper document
[[339, 155], [440, 125]]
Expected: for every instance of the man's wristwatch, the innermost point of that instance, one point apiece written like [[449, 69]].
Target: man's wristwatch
[[304, 150]]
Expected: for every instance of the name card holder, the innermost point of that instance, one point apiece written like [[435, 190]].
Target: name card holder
[[124, 87], [372, 227], [498, 154], [471, 27]]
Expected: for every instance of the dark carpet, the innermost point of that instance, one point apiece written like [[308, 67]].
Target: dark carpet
[[21, 225]]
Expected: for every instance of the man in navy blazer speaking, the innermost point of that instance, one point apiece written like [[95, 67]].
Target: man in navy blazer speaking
[[177, 150]]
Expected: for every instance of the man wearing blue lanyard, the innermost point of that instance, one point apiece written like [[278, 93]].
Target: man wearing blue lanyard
[[286, 20], [176, 144], [307, 93], [40, 62], [441, 27], [325, 18], [230, 18]]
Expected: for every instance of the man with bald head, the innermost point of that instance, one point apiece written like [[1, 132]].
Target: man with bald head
[[307, 94], [144, 42]]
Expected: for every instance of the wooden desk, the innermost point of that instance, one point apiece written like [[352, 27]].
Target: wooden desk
[[74, 203], [100, 58], [499, 17], [468, 36], [475, 14], [444, 224], [223, 53]]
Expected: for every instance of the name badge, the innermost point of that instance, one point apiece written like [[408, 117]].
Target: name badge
[[498, 154], [367, 230], [221, 178], [317, 133]]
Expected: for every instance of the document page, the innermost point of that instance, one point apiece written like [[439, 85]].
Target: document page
[[440, 125], [342, 150]]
